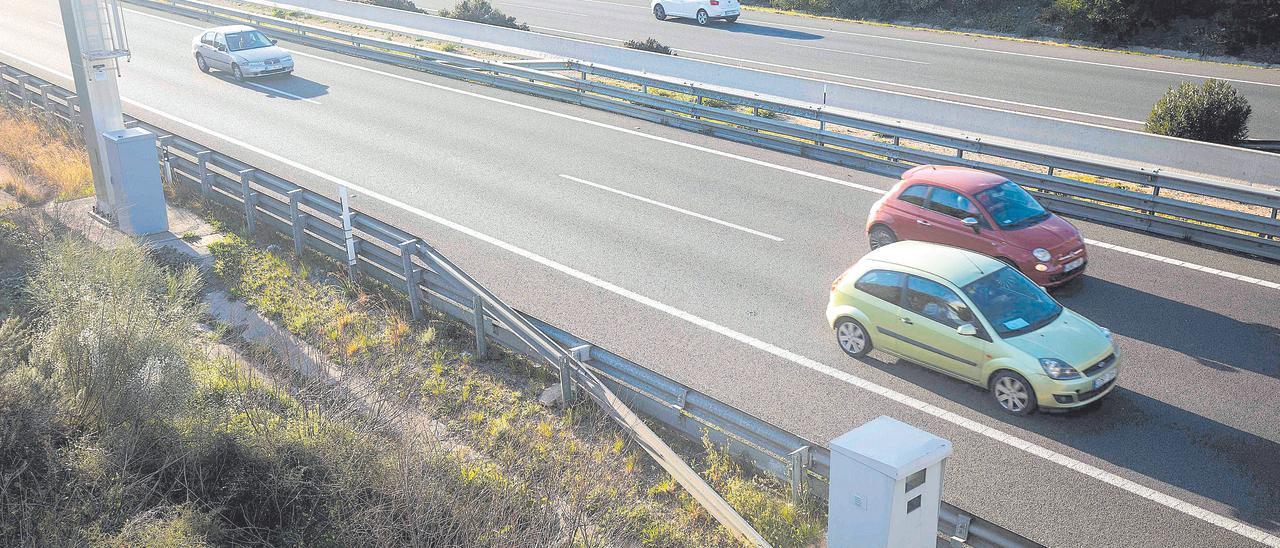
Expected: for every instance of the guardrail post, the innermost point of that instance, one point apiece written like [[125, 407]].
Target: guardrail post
[[353, 264], [246, 192], [297, 221], [407, 249], [22, 89], [566, 383], [44, 102], [73, 114], [479, 323], [799, 464], [166, 166], [202, 160]]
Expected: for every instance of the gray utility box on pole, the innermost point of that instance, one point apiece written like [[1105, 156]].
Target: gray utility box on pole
[[135, 181], [886, 486]]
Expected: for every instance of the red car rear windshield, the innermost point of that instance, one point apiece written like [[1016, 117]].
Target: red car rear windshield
[[1011, 206]]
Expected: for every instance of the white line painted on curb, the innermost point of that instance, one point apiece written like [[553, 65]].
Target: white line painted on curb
[[1184, 507], [672, 208], [852, 53], [1031, 55], [861, 79]]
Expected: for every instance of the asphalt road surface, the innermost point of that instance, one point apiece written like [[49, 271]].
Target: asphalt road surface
[[1100, 87], [538, 200]]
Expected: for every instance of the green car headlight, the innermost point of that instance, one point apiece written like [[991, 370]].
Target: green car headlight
[[1058, 369]]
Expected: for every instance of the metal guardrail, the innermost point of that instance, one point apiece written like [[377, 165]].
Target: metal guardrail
[[1245, 221], [1264, 145], [394, 256]]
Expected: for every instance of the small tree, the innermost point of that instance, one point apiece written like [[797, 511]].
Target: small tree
[[480, 11], [1213, 112], [649, 44]]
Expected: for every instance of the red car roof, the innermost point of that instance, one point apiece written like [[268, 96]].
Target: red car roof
[[966, 180]]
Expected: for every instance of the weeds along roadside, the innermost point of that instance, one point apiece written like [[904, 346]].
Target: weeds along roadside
[[40, 161], [491, 405], [620, 497], [119, 431]]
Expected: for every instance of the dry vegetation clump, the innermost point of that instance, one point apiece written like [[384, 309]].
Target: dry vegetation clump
[[40, 161]]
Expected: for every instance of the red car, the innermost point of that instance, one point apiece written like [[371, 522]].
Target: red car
[[982, 212]]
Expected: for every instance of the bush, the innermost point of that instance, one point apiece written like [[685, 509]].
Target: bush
[[115, 332], [1214, 112], [649, 44], [1103, 20], [480, 11]]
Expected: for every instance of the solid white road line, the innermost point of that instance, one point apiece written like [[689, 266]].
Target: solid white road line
[[870, 80], [526, 6], [1185, 264], [673, 208], [852, 53], [762, 163], [270, 89], [1174, 503], [54, 23], [1032, 55]]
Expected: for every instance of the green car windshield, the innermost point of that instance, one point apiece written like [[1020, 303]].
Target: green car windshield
[[1011, 303]]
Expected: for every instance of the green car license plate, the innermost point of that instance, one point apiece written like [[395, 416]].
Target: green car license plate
[[1104, 379]]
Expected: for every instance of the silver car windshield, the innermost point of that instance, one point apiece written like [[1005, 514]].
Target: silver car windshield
[[250, 39], [1013, 304]]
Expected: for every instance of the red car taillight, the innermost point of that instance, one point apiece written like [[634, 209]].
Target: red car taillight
[[715, 2], [837, 281]]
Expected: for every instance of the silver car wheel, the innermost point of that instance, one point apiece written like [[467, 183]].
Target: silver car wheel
[[703, 18], [1012, 394], [851, 337]]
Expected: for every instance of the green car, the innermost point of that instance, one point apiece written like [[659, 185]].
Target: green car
[[974, 318]]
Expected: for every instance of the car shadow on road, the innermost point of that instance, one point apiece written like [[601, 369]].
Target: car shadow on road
[[1142, 434], [1212, 339], [286, 86], [759, 30]]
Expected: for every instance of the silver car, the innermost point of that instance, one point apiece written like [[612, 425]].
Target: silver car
[[241, 50]]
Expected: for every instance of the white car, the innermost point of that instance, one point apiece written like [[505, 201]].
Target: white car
[[241, 50], [702, 11]]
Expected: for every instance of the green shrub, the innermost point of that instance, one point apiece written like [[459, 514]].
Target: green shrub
[[1213, 112], [115, 331], [480, 11], [649, 44], [1103, 20]]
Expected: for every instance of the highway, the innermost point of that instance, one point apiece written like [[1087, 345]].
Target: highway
[[541, 202], [1100, 87]]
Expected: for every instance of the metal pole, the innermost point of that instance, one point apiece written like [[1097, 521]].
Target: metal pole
[[566, 383], [799, 462], [96, 88], [407, 249], [297, 222], [478, 322], [344, 196], [206, 184], [246, 192]]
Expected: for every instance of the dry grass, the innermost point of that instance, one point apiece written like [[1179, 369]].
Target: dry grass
[[44, 161]]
